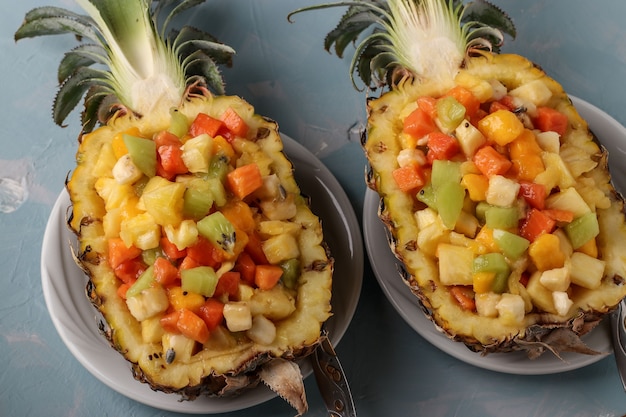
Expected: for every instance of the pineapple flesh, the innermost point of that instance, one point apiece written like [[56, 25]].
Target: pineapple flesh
[[282, 322], [465, 162]]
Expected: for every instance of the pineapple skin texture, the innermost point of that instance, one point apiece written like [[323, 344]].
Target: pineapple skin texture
[[539, 330], [227, 368]]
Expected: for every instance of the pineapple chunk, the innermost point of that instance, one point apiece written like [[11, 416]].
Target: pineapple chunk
[[568, 199], [163, 199], [431, 236], [501, 191], [455, 264], [238, 317], [486, 304], [557, 279], [278, 227], [469, 138], [177, 347], [196, 153], [148, 303], [548, 141], [483, 90], [183, 236], [426, 217], [141, 231], [556, 174], [280, 248], [263, 331], [587, 271], [511, 309], [540, 295], [535, 91], [562, 302]]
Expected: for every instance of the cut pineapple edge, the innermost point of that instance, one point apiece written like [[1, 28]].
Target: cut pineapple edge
[[513, 276], [111, 201]]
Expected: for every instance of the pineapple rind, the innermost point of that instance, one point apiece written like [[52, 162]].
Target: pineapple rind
[[212, 370], [487, 334]]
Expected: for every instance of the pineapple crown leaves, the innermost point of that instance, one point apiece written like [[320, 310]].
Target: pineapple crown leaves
[[422, 38], [126, 60]]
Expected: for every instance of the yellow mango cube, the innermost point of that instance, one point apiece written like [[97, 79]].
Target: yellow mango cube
[[482, 281], [501, 127], [546, 253], [476, 186]]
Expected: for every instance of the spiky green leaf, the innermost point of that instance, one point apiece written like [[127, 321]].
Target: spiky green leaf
[[72, 90], [83, 55], [54, 25]]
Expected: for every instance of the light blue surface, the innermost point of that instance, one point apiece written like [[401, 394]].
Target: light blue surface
[[282, 69]]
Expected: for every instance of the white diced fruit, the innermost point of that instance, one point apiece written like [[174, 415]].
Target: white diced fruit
[[263, 330], [125, 171], [534, 91], [502, 191], [426, 217], [587, 271], [455, 264], [562, 302], [511, 309], [148, 303], [486, 304], [469, 138], [556, 279], [238, 317], [548, 141]]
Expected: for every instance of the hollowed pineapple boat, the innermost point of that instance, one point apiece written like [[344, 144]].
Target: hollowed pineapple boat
[[203, 257], [496, 195]]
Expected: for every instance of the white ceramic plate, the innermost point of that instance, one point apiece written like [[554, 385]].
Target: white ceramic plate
[[384, 264], [76, 320]]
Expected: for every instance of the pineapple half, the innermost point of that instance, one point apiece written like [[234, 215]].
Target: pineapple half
[[203, 257], [463, 223]]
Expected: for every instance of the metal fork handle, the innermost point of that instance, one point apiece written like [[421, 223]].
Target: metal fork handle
[[619, 338]]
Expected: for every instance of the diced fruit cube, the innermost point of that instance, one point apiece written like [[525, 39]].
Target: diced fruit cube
[[486, 304], [163, 199], [586, 271], [501, 127], [148, 303], [142, 152], [455, 264], [177, 347], [476, 186], [125, 171], [238, 317], [568, 199], [470, 138], [200, 280], [263, 330], [502, 191], [218, 230], [562, 302], [183, 236], [197, 153], [280, 248], [556, 279], [545, 252], [540, 295], [582, 229], [511, 245], [535, 91], [511, 309], [141, 231]]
